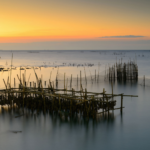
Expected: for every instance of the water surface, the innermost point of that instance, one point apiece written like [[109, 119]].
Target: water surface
[[129, 130]]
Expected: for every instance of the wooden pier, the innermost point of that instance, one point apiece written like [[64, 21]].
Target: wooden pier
[[68, 102], [62, 101]]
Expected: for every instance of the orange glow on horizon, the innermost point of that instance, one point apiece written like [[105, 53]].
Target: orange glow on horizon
[[30, 39], [37, 21]]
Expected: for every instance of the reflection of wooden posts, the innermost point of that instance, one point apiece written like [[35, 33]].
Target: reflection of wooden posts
[[144, 81], [136, 72], [103, 98], [59, 104], [112, 90], [71, 106], [121, 102], [93, 106], [117, 73], [107, 104], [130, 70]]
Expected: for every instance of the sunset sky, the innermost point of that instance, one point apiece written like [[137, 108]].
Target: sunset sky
[[74, 24]]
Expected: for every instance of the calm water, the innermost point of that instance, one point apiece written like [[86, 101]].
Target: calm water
[[127, 131]]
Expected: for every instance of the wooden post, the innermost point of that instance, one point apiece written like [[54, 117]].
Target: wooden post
[[77, 80], [105, 70], [72, 91], [80, 80], [109, 73], [114, 72], [14, 82], [85, 93], [95, 74], [85, 75], [64, 81], [71, 81], [20, 75], [56, 82]]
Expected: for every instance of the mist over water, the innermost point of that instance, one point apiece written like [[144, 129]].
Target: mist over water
[[129, 130]]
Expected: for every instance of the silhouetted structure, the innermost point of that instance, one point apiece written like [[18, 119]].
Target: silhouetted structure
[[124, 71]]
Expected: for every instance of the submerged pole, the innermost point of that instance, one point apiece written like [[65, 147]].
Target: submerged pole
[[121, 102]]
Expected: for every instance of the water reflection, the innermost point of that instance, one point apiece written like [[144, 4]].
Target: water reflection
[[55, 118]]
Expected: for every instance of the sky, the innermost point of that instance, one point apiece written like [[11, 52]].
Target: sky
[[74, 24]]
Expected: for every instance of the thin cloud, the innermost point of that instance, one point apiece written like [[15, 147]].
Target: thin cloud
[[124, 36]]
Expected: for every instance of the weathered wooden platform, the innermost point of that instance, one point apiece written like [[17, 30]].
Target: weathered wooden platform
[[63, 101]]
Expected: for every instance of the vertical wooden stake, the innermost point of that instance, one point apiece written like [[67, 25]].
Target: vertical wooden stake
[[14, 82], [85, 75], [77, 80], [71, 81], [64, 80], [80, 79], [95, 74], [20, 75]]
